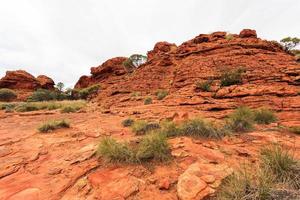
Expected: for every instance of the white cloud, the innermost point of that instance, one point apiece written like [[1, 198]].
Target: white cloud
[[64, 38]]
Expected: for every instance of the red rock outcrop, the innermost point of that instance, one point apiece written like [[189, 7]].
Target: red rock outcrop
[[271, 78], [22, 80], [19, 79], [109, 72], [46, 82], [24, 83]]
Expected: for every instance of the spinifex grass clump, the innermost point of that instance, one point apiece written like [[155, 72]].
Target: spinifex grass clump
[[246, 185], [199, 127], [204, 86], [295, 129], [147, 101], [53, 125], [161, 94], [242, 119], [7, 94], [142, 127], [281, 164], [127, 122], [264, 116], [151, 147], [232, 77]]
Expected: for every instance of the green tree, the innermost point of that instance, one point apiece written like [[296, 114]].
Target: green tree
[[289, 43], [134, 61], [60, 86]]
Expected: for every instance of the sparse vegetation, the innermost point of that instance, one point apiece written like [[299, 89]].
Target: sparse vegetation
[[295, 129], [47, 95], [232, 77], [289, 43], [86, 92], [242, 119], [127, 122], [277, 169], [264, 116], [204, 86], [147, 101], [113, 151], [245, 185], [7, 94], [70, 108], [151, 147], [47, 105], [133, 62], [169, 128], [161, 94], [142, 127], [282, 165], [229, 36], [201, 128], [136, 94], [53, 125]]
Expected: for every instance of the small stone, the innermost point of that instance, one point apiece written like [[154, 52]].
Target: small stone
[[54, 171], [164, 184]]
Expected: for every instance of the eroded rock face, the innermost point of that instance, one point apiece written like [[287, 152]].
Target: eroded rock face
[[271, 76], [46, 82], [19, 79], [108, 71], [200, 180], [22, 80], [247, 33], [159, 48]]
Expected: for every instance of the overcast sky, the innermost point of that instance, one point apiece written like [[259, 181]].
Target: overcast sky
[[64, 38]]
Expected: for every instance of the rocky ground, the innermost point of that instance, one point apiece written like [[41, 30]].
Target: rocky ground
[[62, 164]]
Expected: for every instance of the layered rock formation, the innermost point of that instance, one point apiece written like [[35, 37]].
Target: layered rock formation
[[21, 79], [24, 83], [109, 71], [271, 78]]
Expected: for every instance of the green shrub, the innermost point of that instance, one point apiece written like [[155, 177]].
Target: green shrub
[[229, 36], [147, 101], [169, 128], [136, 94], [142, 127], [201, 128], [242, 119], [86, 92], [26, 107], [153, 147], [232, 77], [247, 186], [4, 106], [161, 94], [53, 125], [41, 95], [295, 129], [7, 94], [70, 109], [282, 165], [204, 86], [127, 122], [264, 116], [113, 151]]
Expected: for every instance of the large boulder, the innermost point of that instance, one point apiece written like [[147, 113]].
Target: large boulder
[[46, 82], [161, 47], [111, 68], [19, 79], [248, 33]]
